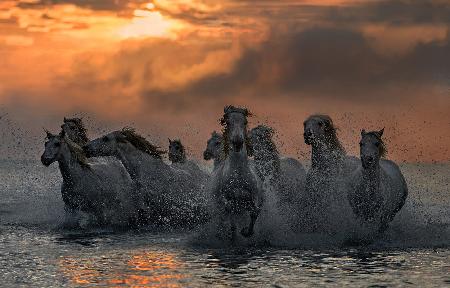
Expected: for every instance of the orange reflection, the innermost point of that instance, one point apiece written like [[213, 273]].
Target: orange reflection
[[153, 269]]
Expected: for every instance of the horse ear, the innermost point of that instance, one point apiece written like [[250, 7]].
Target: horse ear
[[380, 133], [48, 134], [227, 109], [65, 119], [62, 134], [170, 141], [363, 132]]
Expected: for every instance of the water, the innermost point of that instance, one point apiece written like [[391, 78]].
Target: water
[[34, 252]]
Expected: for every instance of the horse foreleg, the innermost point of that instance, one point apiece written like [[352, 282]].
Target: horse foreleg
[[233, 230], [249, 231]]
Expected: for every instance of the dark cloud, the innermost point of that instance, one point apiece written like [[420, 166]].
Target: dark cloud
[[92, 4], [397, 12], [322, 62]]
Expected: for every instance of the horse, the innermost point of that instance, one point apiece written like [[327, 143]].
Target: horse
[[214, 149], [284, 176], [177, 155], [324, 201], [168, 197], [236, 188], [377, 189], [101, 190]]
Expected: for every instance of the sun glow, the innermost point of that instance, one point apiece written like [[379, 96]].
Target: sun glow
[[147, 22]]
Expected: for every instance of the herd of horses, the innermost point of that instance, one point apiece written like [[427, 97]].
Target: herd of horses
[[121, 179]]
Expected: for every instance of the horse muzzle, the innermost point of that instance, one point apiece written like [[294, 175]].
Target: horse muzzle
[[46, 161], [237, 145], [207, 155], [367, 161]]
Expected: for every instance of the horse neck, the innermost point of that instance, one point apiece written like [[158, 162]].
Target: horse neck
[[217, 162], [325, 157], [69, 166], [371, 177], [181, 158], [133, 159]]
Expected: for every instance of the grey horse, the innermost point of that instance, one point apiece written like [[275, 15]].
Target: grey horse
[[377, 189], [168, 197], [214, 148], [325, 200], [102, 190], [236, 188], [285, 176]]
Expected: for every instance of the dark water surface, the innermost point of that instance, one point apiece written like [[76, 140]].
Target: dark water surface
[[415, 251]]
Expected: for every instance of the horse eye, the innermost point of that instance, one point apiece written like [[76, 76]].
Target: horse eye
[[57, 144], [320, 124], [377, 144]]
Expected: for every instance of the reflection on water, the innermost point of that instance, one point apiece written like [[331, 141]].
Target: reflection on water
[[34, 253], [148, 268]]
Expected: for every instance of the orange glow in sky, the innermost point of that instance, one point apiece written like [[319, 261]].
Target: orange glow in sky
[[171, 66]]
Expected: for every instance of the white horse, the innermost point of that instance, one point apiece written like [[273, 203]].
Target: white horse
[[285, 177], [102, 190], [377, 189], [214, 148], [236, 187], [168, 196], [325, 200]]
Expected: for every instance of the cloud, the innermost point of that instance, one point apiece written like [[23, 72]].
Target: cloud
[[321, 62]]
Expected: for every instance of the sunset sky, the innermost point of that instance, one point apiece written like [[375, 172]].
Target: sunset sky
[[169, 66]]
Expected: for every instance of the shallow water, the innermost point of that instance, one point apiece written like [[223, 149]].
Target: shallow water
[[415, 251]]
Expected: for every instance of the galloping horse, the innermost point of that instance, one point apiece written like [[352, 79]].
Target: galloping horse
[[377, 189], [236, 187], [168, 197], [214, 148], [284, 176], [324, 198], [99, 189]]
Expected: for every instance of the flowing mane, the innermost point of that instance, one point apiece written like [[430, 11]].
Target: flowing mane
[[141, 143], [216, 136], [225, 131], [382, 148], [77, 152], [331, 132], [82, 132]]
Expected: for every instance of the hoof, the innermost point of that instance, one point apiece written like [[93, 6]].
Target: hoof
[[246, 232]]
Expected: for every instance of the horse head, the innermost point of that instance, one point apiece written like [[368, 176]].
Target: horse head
[[372, 148], [235, 123], [214, 147], [177, 153]]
